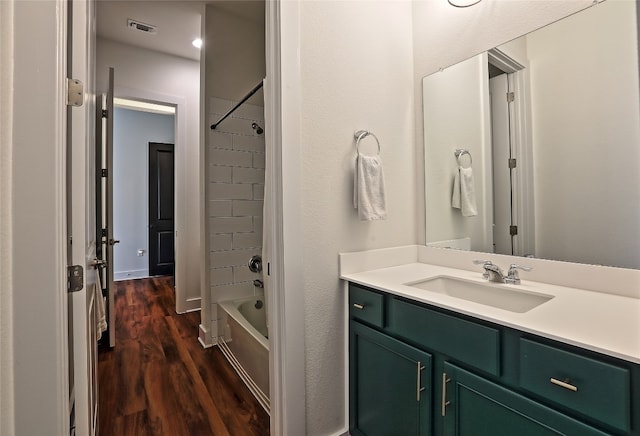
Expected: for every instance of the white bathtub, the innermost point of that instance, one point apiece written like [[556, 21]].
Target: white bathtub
[[242, 330]]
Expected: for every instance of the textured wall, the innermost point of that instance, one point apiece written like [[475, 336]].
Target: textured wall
[[356, 73]]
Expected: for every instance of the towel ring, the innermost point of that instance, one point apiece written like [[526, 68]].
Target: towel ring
[[361, 134], [461, 152]]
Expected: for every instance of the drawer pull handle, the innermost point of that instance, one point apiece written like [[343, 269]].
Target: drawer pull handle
[[358, 306], [418, 387], [562, 384], [445, 403]]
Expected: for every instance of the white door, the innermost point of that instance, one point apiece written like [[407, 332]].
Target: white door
[[81, 215], [501, 144]]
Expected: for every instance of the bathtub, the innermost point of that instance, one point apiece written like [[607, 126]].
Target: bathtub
[[242, 330]]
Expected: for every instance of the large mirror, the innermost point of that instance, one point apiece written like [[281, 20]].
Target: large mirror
[[533, 148]]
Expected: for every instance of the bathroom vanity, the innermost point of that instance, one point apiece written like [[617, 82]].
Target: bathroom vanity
[[428, 356]]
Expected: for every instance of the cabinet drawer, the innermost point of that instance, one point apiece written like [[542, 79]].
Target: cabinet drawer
[[591, 387], [366, 305], [474, 344]]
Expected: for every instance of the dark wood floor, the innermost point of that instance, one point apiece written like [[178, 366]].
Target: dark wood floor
[[158, 380]]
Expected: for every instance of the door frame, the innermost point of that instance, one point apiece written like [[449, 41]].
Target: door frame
[[521, 146], [183, 304], [282, 250]]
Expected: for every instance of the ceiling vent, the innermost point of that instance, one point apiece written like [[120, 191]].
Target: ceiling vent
[[142, 27]]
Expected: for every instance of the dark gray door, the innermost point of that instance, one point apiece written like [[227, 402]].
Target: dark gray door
[[161, 209]]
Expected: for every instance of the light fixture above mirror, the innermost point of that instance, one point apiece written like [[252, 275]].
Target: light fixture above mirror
[[463, 3]]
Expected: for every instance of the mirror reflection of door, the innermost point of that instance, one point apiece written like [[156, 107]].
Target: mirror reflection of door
[[504, 124], [501, 153], [161, 209]]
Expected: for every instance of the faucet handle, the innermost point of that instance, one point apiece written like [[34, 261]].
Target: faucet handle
[[485, 274], [513, 276]]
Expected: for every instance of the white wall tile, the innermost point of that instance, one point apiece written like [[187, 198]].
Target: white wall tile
[[247, 207], [220, 208], [248, 143], [244, 274], [218, 173], [258, 192], [250, 111], [231, 224], [220, 140], [220, 242], [230, 158], [257, 224], [220, 259], [232, 292], [247, 240], [221, 276], [234, 125], [226, 191], [258, 160], [248, 175], [219, 106]]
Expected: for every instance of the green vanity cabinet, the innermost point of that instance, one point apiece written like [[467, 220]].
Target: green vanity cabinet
[[415, 369], [390, 385], [474, 406]]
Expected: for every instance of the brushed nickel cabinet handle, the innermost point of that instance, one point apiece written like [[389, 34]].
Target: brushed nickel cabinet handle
[[419, 388], [445, 403], [563, 384], [358, 306]]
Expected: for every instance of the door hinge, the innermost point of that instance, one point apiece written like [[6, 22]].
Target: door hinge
[[75, 92], [512, 163], [105, 113], [75, 278], [104, 172], [104, 232], [513, 230], [511, 96]]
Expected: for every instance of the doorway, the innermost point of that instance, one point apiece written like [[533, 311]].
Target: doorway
[[143, 167]]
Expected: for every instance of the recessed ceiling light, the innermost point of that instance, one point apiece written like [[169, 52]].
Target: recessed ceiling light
[[197, 43], [463, 3]]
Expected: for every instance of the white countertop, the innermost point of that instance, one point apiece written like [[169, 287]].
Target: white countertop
[[601, 322]]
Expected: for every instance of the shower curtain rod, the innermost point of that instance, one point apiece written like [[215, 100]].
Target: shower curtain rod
[[245, 98]]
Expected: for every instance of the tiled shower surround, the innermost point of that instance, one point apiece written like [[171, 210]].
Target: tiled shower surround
[[235, 193]]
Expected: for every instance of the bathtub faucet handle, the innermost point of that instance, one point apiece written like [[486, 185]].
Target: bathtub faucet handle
[[255, 263]]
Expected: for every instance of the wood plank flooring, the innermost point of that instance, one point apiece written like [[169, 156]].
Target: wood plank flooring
[[158, 380]]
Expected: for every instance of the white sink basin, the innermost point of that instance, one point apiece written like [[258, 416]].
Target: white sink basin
[[502, 296]]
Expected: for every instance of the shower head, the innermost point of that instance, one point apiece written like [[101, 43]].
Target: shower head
[[257, 128]]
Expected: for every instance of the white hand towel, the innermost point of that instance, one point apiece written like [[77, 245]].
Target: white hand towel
[[101, 311], [464, 195], [368, 189]]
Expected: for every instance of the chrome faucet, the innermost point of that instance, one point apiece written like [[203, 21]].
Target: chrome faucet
[[493, 272], [512, 276]]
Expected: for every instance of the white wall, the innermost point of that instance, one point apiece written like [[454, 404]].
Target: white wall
[[133, 130], [356, 73], [456, 115], [6, 304], [36, 276], [586, 131], [149, 75]]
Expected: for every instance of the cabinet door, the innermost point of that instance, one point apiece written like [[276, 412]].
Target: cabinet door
[[390, 385], [475, 406]]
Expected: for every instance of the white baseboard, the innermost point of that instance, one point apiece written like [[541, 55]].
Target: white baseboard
[[204, 337], [128, 275]]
